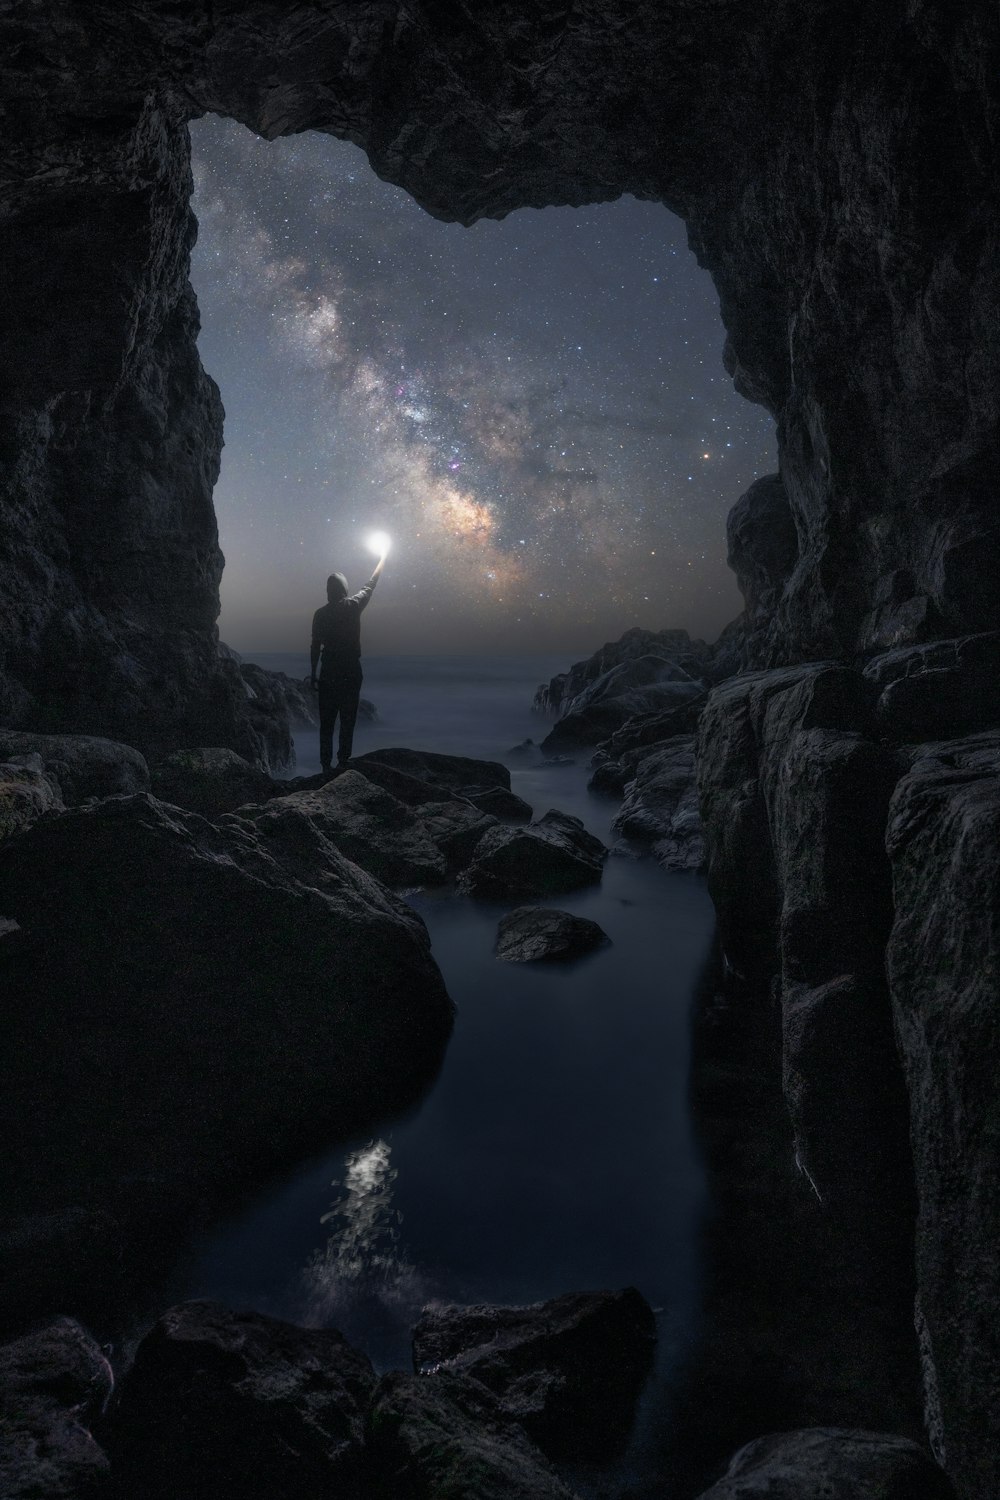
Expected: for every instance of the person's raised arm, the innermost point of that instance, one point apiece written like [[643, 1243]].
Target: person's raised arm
[[377, 573]]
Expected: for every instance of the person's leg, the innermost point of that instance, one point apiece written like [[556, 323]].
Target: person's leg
[[349, 698], [327, 720]]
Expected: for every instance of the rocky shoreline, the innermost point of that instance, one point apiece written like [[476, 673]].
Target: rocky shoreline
[[280, 863]]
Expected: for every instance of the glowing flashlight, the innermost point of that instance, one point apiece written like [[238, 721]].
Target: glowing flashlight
[[378, 543]]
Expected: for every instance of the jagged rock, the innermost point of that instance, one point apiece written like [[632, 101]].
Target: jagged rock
[[569, 1370], [660, 807], [455, 828], [184, 1009], [449, 1436], [535, 933], [270, 699], [208, 781], [53, 1384], [834, 1463], [239, 1405], [356, 817], [943, 958], [938, 691], [27, 793], [83, 765], [668, 646], [552, 855], [763, 550], [641, 685]]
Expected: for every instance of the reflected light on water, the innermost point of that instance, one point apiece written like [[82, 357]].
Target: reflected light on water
[[361, 1271]]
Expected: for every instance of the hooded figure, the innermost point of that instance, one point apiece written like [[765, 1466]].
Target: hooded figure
[[336, 649]]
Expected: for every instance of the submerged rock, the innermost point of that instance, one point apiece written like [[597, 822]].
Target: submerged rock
[[84, 765], [210, 780], [552, 855], [239, 1405], [569, 1370], [53, 1384], [27, 793], [535, 933], [185, 1009], [450, 1437], [832, 1463]]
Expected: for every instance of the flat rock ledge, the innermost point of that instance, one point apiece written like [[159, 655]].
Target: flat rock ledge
[[540, 934]]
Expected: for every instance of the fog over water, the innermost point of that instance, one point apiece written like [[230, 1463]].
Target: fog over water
[[554, 1151]]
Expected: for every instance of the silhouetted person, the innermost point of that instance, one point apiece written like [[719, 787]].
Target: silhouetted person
[[336, 633]]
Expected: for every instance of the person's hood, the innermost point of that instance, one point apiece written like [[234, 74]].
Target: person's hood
[[336, 587]]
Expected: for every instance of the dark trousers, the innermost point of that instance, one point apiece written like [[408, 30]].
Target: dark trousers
[[337, 695]]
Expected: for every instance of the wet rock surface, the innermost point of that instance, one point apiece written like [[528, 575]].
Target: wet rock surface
[[569, 1370], [54, 1383], [834, 1464], [208, 780], [534, 934], [185, 1009], [237, 1404], [552, 855]]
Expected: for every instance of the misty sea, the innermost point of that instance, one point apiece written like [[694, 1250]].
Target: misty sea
[[554, 1151]]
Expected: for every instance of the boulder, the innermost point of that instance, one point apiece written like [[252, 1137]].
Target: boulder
[[84, 765], [660, 806], [449, 1437], [27, 793], [641, 686], [569, 1370], [455, 828], [501, 803], [943, 959], [239, 1405], [209, 781], [53, 1384], [552, 855], [350, 813], [532, 934], [940, 690], [187, 1008], [832, 1463], [443, 773]]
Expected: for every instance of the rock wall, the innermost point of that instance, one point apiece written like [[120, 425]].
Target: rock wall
[[836, 170]]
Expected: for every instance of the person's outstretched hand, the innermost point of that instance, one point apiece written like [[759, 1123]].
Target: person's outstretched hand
[[378, 567]]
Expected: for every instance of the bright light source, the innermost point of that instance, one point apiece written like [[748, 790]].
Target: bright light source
[[378, 543]]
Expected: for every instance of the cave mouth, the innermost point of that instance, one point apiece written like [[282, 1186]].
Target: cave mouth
[[535, 408]]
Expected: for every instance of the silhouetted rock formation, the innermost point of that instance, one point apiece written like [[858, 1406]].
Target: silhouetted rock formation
[[836, 166], [535, 934], [186, 1006], [83, 765], [569, 1370], [208, 780], [834, 1463], [54, 1383], [238, 1405]]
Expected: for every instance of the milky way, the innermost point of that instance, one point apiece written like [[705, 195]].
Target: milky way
[[535, 410]]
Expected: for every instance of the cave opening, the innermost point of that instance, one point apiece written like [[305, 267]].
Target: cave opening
[[535, 407]]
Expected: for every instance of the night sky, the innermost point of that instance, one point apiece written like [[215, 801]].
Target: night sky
[[535, 410]]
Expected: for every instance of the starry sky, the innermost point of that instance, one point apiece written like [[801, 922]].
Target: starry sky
[[534, 409]]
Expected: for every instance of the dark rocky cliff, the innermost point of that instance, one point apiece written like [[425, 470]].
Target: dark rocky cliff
[[836, 167]]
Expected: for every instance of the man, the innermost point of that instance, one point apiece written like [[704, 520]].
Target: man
[[336, 632]]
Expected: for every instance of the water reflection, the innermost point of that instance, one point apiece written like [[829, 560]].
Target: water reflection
[[361, 1280]]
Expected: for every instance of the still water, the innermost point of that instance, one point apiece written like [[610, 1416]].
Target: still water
[[554, 1151]]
